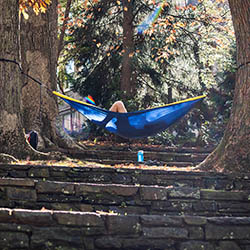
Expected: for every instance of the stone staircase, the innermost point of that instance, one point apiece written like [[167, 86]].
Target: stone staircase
[[123, 199], [118, 154], [93, 208]]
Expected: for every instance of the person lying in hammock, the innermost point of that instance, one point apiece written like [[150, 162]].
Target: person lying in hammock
[[142, 123], [119, 107]]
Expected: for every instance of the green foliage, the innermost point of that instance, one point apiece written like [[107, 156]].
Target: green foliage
[[188, 51]]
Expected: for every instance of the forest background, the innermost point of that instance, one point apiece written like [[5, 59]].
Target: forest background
[[189, 50]]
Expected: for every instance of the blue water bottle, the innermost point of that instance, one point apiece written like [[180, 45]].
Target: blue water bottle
[[140, 157]]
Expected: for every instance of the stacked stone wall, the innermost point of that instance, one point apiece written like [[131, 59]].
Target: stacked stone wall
[[30, 229], [123, 199], [93, 208], [128, 176]]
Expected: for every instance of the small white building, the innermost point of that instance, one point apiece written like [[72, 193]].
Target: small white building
[[73, 122]]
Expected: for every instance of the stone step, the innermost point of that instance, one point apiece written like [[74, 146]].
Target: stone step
[[129, 176], [117, 156], [46, 229], [123, 199], [152, 148], [178, 164]]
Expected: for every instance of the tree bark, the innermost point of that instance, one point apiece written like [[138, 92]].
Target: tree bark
[[39, 59], [12, 138], [66, 16], [127, 75], [233, 153]]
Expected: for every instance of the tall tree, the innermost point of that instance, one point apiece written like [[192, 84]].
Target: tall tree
[[127, 77], [233, 153], [39, 59], [12, 138]]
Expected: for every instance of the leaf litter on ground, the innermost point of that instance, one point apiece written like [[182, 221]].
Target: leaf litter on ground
[[72, 162]]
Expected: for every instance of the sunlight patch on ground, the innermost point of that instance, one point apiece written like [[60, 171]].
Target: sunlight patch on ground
[[77, 163]]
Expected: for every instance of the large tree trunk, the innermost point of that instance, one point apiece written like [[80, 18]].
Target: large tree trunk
[[12, 138], [39, 59], [127, 76], [233, 153]]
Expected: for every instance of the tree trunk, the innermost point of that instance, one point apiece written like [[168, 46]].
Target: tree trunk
[[127, 75], [39, 60], [12, 138], [233, 153]]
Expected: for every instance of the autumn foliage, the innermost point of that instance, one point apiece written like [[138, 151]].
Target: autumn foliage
[[37, 5]]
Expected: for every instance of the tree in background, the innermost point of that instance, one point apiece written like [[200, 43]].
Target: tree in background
[[180, 55], [40, 49], [184, 44], [233, 152], [196, 57], [127, 82], [39, 52], [12, 138]]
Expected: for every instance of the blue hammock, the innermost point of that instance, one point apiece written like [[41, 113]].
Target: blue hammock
[[137, 124]]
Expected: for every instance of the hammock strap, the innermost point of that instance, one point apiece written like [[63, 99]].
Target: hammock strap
[[23, 73], [33, 79]]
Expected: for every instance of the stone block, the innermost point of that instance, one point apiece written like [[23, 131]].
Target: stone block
[[39, 172], [97, 178], [184, 192], [7, 203], [13, 240], [226, 245], [102, 199], [93, 231], [227, 232], [60, 206], [57, 238], [205, 206], [127, 209], [233, 207], [17, 174], [210, 194], [215, 182], [57, 198], [183, 183], [195, 233], [229, 220], [175, 206], [13, 227], [195, 220], [153, 193], [85, 208], [88, 243], [143, 179], [16, 182], [165, 233], [143, 243], [82, 189], [31, 217], [78, 219], [55, 187], [108, 242], [159, 220], [121, 178], [23, 194], [5, 215], [123, 225], [121, 190], [196, 245]]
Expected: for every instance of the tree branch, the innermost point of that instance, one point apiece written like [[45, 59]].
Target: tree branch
[[60, 44]]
